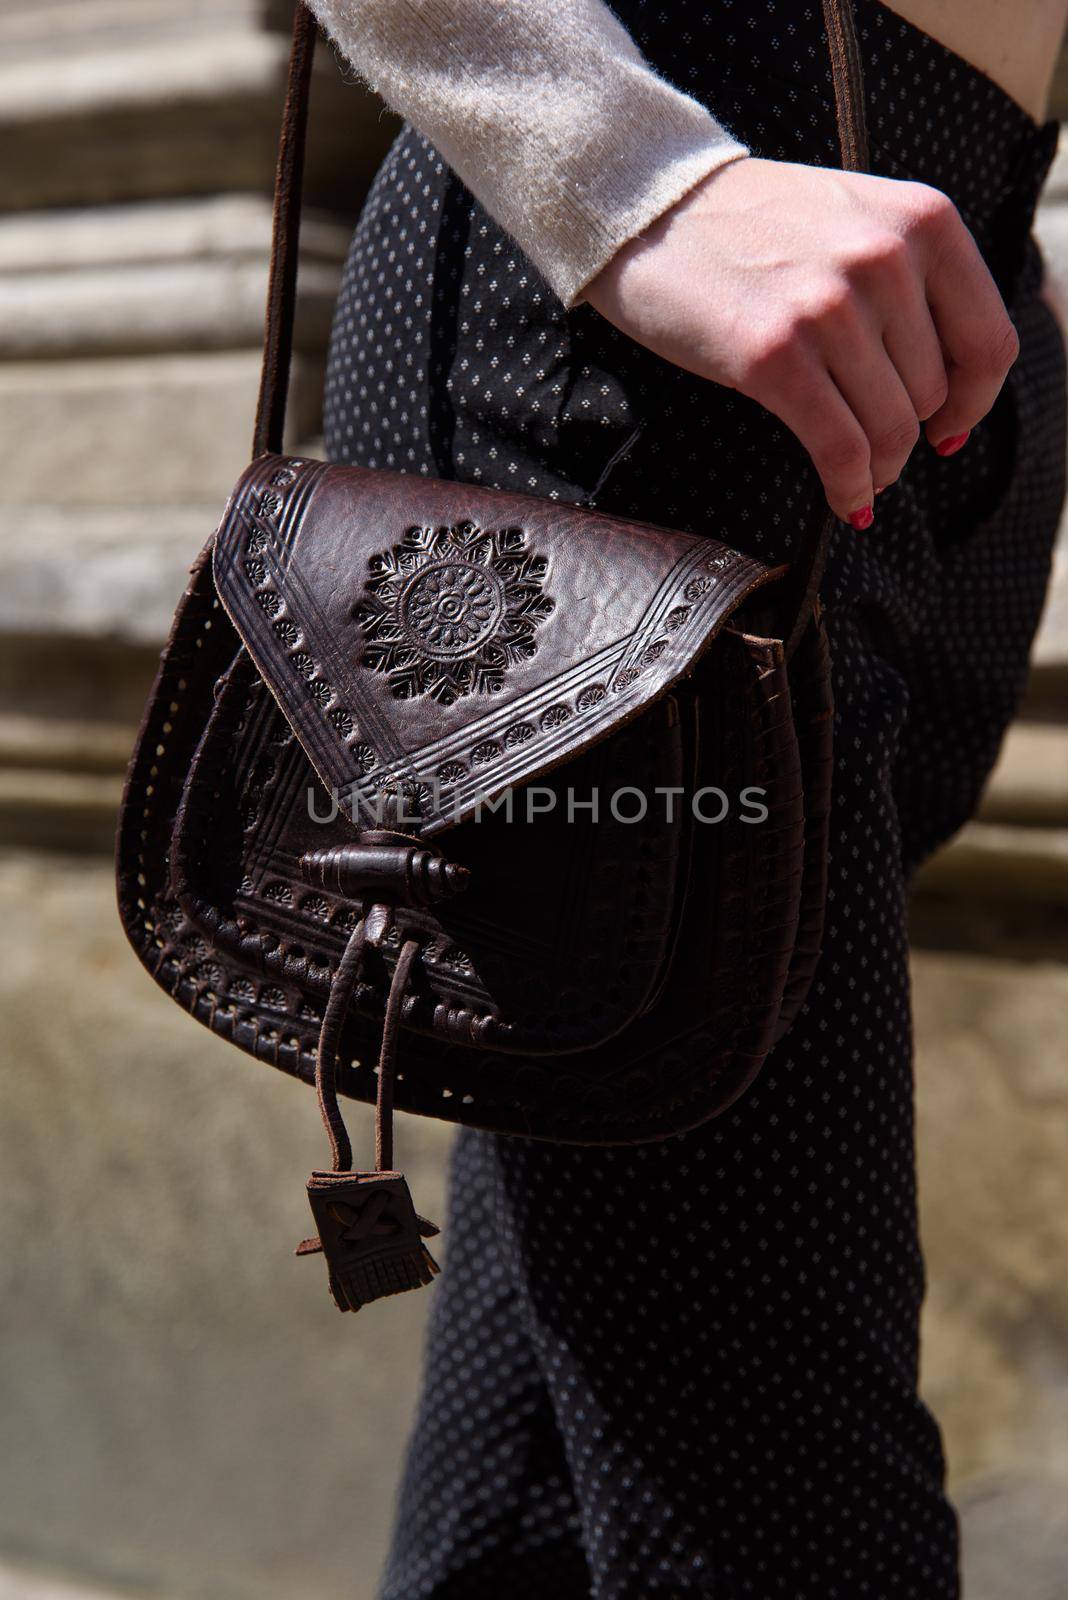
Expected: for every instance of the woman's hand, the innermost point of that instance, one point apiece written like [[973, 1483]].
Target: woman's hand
[[853, 307]]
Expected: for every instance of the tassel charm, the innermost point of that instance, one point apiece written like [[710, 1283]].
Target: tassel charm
[[368, 1228], [370, 1236]]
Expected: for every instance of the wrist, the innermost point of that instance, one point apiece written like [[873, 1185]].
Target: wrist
[[603, 286]]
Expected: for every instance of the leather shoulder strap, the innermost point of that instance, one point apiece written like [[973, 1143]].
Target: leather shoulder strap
[[848, 79], [282, 283], [285, 240], [840, 28]]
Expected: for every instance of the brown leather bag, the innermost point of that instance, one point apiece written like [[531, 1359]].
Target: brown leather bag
[[361, 801]]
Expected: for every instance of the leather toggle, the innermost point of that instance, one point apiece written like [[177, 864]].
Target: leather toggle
[[370, 1236], [385, 870]]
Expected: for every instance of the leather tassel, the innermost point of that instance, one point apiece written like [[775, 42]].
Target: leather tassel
[[368, 1228], [370, 1236]]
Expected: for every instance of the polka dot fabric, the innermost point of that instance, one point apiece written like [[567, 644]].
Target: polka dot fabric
[[690, 1368]]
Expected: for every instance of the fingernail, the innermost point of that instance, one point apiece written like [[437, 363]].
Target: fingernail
[[880, 488], [861, 519], [949, 447]]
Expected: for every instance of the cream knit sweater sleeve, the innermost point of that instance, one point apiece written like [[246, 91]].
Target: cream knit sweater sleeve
[[548, 112]]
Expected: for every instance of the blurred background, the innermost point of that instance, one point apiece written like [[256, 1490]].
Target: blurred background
[[182, 1412]]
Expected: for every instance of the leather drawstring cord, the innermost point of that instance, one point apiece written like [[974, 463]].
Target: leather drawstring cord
[[387, 1056], [368, 1229], [337, 1008]]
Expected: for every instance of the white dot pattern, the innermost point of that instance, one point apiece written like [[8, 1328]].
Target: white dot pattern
[[690, 1368]]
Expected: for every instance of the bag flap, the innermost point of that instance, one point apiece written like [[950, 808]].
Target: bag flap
[[434, 644]]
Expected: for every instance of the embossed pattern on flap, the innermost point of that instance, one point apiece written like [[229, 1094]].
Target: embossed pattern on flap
[[433, 644]]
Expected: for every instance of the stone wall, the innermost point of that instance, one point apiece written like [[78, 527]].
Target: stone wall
[[139, 141], [182, 1411]]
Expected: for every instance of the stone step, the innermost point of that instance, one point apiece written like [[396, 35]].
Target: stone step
[[1002, 862], [37, 744], [142, 232], [198, 305], [65, 811], [166, 276], [1047, 691], [55, 28], [137, 430], [125, 119], [1029, 785]]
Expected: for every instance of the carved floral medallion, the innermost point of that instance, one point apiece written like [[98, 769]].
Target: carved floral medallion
[[447, 611]]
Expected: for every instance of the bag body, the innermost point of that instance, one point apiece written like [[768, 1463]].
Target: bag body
[[606, 975]]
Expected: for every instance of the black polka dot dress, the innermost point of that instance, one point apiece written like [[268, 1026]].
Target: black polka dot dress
[[690, 1368]]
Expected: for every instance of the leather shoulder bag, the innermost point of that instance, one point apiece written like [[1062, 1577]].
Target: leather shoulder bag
[[495, 808]]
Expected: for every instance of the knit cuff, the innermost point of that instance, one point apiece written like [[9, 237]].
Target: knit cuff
[[547, 111], [570, 258]]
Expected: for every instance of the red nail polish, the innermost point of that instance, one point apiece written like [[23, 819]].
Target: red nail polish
[[949, 447], [861, 519]]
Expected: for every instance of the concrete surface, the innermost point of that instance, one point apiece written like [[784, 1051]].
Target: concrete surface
[[185, 1414], [184, 1411], [992, 1092]]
